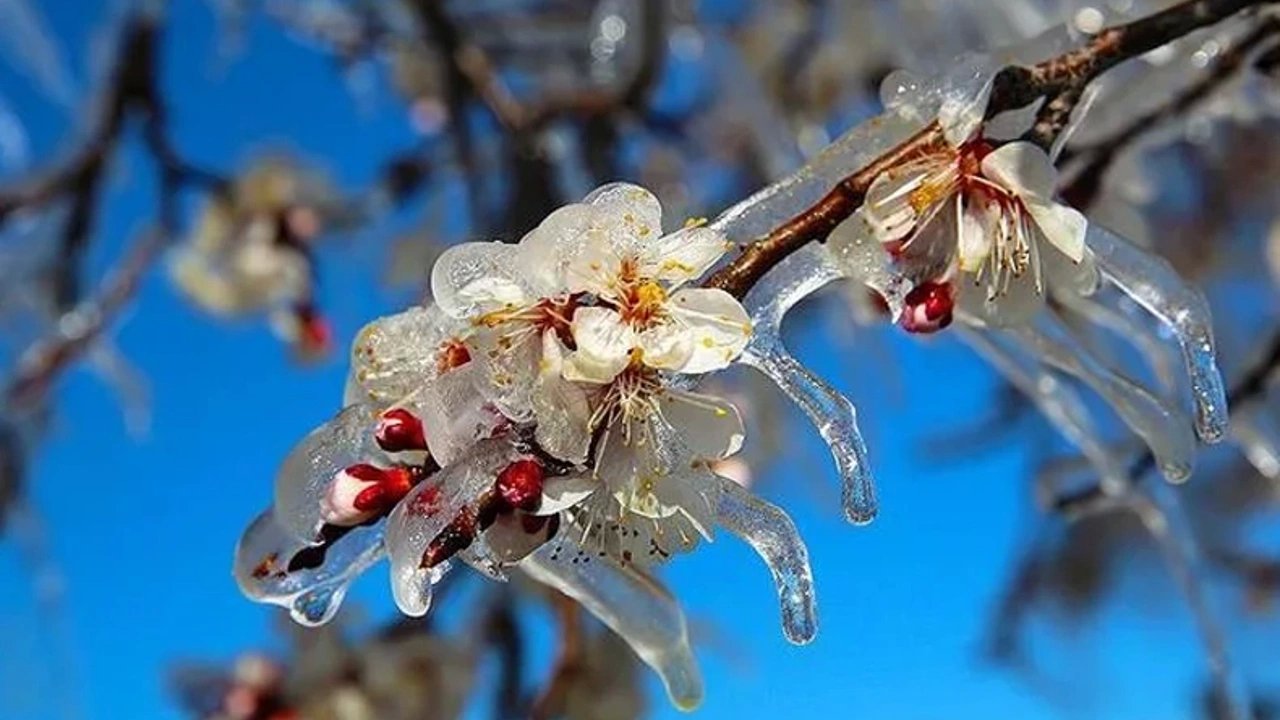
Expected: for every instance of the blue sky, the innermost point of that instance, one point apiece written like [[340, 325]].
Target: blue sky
[[142, 528]]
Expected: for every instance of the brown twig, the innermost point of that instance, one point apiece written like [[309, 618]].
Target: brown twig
[[1059, 80]]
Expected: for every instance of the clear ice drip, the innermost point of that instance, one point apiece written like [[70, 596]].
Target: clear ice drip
[[832, 414], [1165, 430], [1153, 284], [312, 595], [768, 529], [630, 603]]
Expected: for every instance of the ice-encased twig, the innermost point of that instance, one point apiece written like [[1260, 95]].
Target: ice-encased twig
[[312, 595], [832, 414], [1157, 506], [1162, 427], [1153, 284], [770, 531], [1061, 405], [630, 603]]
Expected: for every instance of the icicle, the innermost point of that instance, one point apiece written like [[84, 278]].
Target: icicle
[[1161, 513], [306, 473], [767, 529], [1163, 428], [1154, 285], [1256, 430], [1123, 322], [1055, 398], [630, 603], [831, 413], [413, 587], [312, 594]]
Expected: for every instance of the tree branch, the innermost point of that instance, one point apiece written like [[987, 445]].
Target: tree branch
[[1061, 80]]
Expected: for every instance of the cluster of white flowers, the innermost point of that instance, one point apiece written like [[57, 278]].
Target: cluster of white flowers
[[539, 414], [250, 252]]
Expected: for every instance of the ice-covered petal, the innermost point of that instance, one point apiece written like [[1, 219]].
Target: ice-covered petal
[[629, 602], [509, 359], [667, 346], [717, 323], [636, 206], [305, 475], [768, 530], [710, 426], [479, 277], [1064, 227], [565, 491], [888, 210], [1165, 430], [395, 355], [604, 344], [1017, 302], [272, 566], [831, 413], [683, 255], [973, 244], [1154, 285], [1023, 168], [961, 114], [454, 412], [561, 407], [546, 250]]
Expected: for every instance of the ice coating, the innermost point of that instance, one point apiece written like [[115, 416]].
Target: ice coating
[[1165, 430], [1055, 398], [965, 85], [630, 603], [1153, 284], [832, 414], [311, 594], [426, 510], [454, 413], [308, 470], [393, 356], [1124, 321], [768, 530]]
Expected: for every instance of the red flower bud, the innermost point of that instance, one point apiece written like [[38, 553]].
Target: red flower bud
[[520, 484], [400, 430], [929, 308], [452, 354]]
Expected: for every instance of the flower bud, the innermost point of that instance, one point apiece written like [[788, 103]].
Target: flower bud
[[364, 491], [520, 484], [452, 354], [929, 308], [399, 431]]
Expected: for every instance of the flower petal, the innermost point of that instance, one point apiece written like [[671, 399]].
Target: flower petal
[[561, 407], [666, 347], [546, 250], [478, 277], [683, 255], [961, 116], [636, 206], [565, 491], [395, 355], [454, 413], [718, 324], [711, 427], [1023, 168], [604, 345], [973, 242], [887, 209], [1064, 227]]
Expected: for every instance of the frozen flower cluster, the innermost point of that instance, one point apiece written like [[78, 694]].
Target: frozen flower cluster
[[542, 415]]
